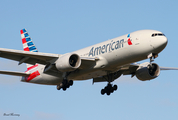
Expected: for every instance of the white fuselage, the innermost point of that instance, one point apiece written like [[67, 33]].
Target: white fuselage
[[111, 55]]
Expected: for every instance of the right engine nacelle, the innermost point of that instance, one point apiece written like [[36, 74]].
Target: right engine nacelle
[[68, 62], [147, 71]]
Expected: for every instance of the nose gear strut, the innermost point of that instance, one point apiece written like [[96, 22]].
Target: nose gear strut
[[152, 56]]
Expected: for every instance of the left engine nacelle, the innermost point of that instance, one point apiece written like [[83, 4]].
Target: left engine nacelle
[[68, 62], [147, 71]]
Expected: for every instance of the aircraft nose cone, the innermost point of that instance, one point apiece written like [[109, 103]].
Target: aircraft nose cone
[[163, 42], [159, 44]]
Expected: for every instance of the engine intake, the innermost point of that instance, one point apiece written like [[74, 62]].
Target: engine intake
[[68, 62], [147, 71]]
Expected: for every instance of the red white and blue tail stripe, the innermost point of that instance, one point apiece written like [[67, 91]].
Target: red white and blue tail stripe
[[28, 44]]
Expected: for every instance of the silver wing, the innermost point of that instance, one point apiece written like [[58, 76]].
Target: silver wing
[[28, 57], [142, 71], [37, 57]]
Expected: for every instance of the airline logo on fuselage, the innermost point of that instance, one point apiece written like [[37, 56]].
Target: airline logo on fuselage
[[129, 40], [113, 45]]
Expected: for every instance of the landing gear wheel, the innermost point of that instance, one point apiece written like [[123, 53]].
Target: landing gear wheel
[[71, 82], [64, 88], [108, 93], [115, 87], [67, 86], [112, 90], [58, 87], [103, 91]]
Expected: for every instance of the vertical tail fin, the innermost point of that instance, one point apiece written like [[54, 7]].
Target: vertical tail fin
[[28, 44]]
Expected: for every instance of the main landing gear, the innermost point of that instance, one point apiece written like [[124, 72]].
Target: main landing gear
[[110, 77], [109, 89], [65, 84]]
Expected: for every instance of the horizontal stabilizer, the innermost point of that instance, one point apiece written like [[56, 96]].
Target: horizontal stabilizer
[[14, 73]]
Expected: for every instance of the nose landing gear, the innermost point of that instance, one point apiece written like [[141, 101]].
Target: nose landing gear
[[152, 56]]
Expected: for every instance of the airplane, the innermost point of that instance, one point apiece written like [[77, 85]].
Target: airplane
[[103, 62]]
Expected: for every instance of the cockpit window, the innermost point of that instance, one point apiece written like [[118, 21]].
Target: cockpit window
[[157, 34]]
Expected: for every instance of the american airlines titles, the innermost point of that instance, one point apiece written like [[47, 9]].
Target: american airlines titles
[[106, 48]]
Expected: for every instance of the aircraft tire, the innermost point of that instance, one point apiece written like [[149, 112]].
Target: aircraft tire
[[115, 87], [112, 90], [103, 91], [67, 86], [58, 87], [71, 82], [64, 88], [108, 93]]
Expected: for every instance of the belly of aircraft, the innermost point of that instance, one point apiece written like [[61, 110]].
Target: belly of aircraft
[[86, 74]]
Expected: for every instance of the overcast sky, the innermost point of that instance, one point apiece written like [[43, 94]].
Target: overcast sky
[[62, 26]]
